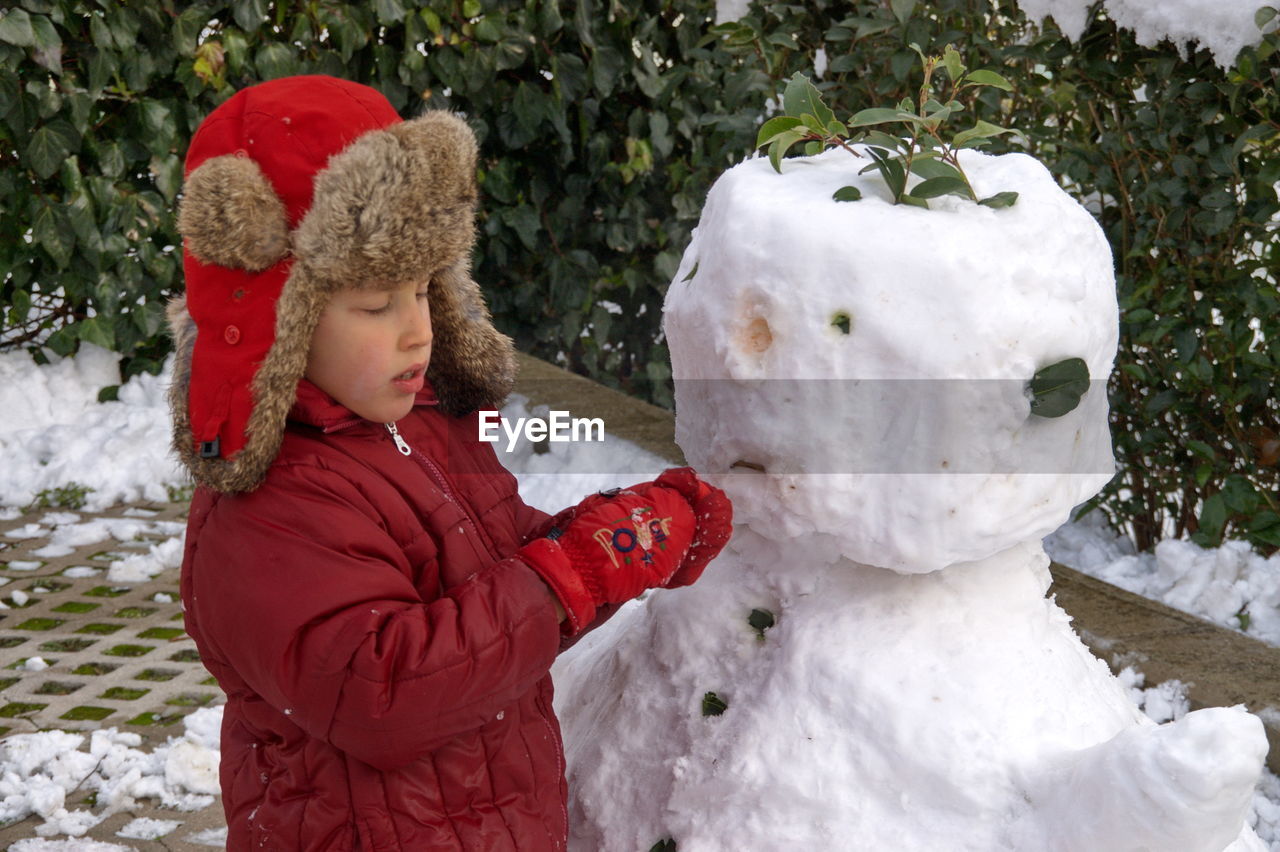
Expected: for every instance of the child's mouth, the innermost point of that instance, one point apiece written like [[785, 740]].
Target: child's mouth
[[411, 380]]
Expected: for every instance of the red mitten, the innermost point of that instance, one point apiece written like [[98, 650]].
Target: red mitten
[[713, 514], [615, 546]]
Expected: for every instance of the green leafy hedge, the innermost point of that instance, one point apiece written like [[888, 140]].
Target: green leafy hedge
[[602, 125]]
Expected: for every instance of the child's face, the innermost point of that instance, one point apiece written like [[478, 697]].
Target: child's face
[[371, 348]]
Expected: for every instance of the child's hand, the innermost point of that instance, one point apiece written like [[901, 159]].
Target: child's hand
[[613, 547], [714, 515]]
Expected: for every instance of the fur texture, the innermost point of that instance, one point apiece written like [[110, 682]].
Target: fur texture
[[230, 215], [398, 204]]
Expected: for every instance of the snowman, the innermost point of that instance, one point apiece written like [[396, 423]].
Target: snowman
[[872, 663]]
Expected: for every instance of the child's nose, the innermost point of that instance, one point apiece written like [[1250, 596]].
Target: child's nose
[[417, 330]]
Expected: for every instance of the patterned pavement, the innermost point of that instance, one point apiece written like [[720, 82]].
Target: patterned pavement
[[83, 650]]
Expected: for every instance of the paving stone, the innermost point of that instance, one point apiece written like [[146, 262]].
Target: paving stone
[[117, 657]]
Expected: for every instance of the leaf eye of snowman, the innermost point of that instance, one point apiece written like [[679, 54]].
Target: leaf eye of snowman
[[841, 321], [1056, 389]]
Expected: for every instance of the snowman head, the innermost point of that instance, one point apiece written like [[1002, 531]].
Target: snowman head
[[856, 375]]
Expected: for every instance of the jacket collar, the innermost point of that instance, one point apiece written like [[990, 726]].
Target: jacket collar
[[314, 407]]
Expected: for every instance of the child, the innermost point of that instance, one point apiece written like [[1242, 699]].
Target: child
[[360, 575]]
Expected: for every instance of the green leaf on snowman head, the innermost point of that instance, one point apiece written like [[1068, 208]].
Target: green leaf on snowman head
[[801, 98], [1000, 199], [1057, 388], [713, 705]]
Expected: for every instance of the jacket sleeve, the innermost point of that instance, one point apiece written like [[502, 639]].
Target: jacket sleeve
[[300, 589]]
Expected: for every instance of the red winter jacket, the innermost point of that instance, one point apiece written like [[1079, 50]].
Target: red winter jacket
[[384, 657]]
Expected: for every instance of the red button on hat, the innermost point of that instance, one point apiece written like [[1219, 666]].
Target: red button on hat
[[231, 334]]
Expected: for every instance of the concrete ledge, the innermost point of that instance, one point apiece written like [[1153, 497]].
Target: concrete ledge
[[650, 427], [1221, 667]]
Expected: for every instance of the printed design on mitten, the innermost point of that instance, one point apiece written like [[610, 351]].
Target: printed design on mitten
[[622, 537]]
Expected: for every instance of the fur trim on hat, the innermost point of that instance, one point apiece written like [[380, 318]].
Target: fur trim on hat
[[231, 216], [396, 205], [473, 365]]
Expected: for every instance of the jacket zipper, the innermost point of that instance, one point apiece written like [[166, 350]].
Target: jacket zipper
[[438, 477]]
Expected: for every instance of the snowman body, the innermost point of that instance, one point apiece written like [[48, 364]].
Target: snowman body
[[872, 663]]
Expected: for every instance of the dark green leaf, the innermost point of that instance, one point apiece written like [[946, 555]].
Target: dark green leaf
[[847, 193], [801, 98], [249, 14], [1239, 495], [524, 221], [884, 140], [874, 115], [984, 77], [760, 620], [781, 143], [15, 28], [46, 151], [388, 11], [978, 134], [98, 331], [773, 127], [606, 70], [931, 167], [713, 705], [934, 187], [99, 32], [1000, 199], [902, 9], [953, 63], [1213, 518], [274, 61], [1057, 388], [48, 52]]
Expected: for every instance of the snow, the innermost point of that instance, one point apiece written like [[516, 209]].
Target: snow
[[53, 431], [915, 688], [145, 828], [1221, 26], [943, 429], [1230, 585], [41, 771]]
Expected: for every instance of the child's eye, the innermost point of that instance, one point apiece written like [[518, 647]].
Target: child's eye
[[376, 311], [422, 295]]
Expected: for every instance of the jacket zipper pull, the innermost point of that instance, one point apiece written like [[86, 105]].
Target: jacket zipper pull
[[401, 444]]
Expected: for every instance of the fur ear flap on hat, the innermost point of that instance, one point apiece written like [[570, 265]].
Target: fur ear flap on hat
[[231, 216], [473, 365]]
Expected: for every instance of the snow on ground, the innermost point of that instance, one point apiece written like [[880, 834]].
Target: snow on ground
[[49, 414], [1230, 585], [49, 773], [54, 432]]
